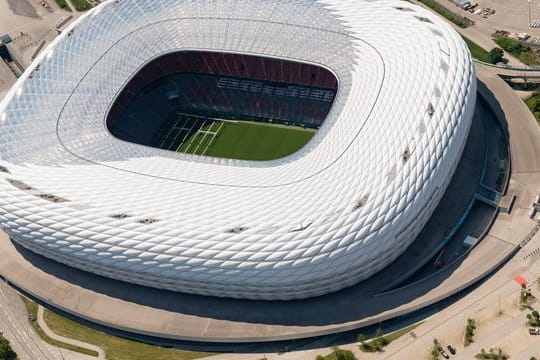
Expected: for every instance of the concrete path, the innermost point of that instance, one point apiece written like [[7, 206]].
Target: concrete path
[[53, 335], [17, 329]]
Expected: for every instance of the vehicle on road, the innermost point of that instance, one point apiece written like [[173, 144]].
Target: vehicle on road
[[534, 331], [444, 354], [451, 349]]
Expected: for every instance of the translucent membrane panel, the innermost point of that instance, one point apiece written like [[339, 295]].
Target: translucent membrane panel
[[224, 105]]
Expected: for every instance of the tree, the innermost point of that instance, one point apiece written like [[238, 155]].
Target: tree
[[6, 352], [496, 55]]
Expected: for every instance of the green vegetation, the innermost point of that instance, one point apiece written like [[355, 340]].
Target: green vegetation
[[380, 340], [81, 5], [460, 21], [469, 332], [496, 55], [534, 105], [248, 141], [477, 52], [495, 354], [6, 352], [337, 354], [115, 347], [375, 345], [435, 350], [523, 52], [32, 309], [534, 318], [63, 4], [525, 296]]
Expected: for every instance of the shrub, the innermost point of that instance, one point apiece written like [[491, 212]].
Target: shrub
[[469, 332], [6, 352], [496, 55]]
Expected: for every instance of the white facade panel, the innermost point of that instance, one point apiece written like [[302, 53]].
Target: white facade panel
[[406, 82]]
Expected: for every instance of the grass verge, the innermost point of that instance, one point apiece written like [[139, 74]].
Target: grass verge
[[533, 103], [63, 4], [521, 51], [337, 354], [81, 5], [460, 21], [381, 340], [116, 348], [477, 51], [32, 308]]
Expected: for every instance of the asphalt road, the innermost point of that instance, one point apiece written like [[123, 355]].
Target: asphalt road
[[16, 328]]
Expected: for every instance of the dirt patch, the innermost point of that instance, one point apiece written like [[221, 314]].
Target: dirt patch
[[23, 8]]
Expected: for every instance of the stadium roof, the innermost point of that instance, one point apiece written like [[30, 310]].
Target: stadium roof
[[323, 218]]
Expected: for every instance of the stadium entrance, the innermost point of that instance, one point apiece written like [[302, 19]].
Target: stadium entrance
[[224, 105]]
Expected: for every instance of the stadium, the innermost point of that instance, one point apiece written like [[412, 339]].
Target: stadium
[[248, 149]]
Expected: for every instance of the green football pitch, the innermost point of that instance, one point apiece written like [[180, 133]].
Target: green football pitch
[[246, 140]]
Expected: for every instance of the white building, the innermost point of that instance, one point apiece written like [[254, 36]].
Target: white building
[[326, 217]]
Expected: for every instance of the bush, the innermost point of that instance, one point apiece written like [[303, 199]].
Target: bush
[[63, 4], [493, 354], [469, 332], [6, 352], [377, 344], [496, 55], [338, 354], [81, 5], [534, 318], [435, 350], [521, 51]]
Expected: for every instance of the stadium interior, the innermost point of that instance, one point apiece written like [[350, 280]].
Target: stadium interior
[[182, 101]]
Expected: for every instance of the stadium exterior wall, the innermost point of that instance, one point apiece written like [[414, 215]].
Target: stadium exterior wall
[[92, 176]]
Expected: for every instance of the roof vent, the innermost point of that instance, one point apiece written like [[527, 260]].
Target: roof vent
[[52, 198], [430, 110], [120, 216], [237, 230], [406, 155], [361, 203], [423, 19], [147, 221], [406, 9], [19, 184]]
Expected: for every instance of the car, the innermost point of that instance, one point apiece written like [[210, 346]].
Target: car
[[534, 331], [444, 354], [451, 349]]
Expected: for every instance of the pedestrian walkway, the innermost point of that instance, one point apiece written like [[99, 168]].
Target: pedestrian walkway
[[54, 336]]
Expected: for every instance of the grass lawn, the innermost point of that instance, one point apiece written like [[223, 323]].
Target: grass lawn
[[81, 5], [369, 346], [521, 51], [344, 354], [32, 308], [63, 4], [534, 105], [477, 52], [250, 141], [460, 21], [116, 348]]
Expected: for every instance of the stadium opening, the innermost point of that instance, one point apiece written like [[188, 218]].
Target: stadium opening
[[223, 105]]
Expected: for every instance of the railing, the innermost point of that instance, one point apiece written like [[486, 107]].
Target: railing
[[509, 67]]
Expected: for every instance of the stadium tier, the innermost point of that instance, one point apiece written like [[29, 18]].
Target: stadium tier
[[389, 87]]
